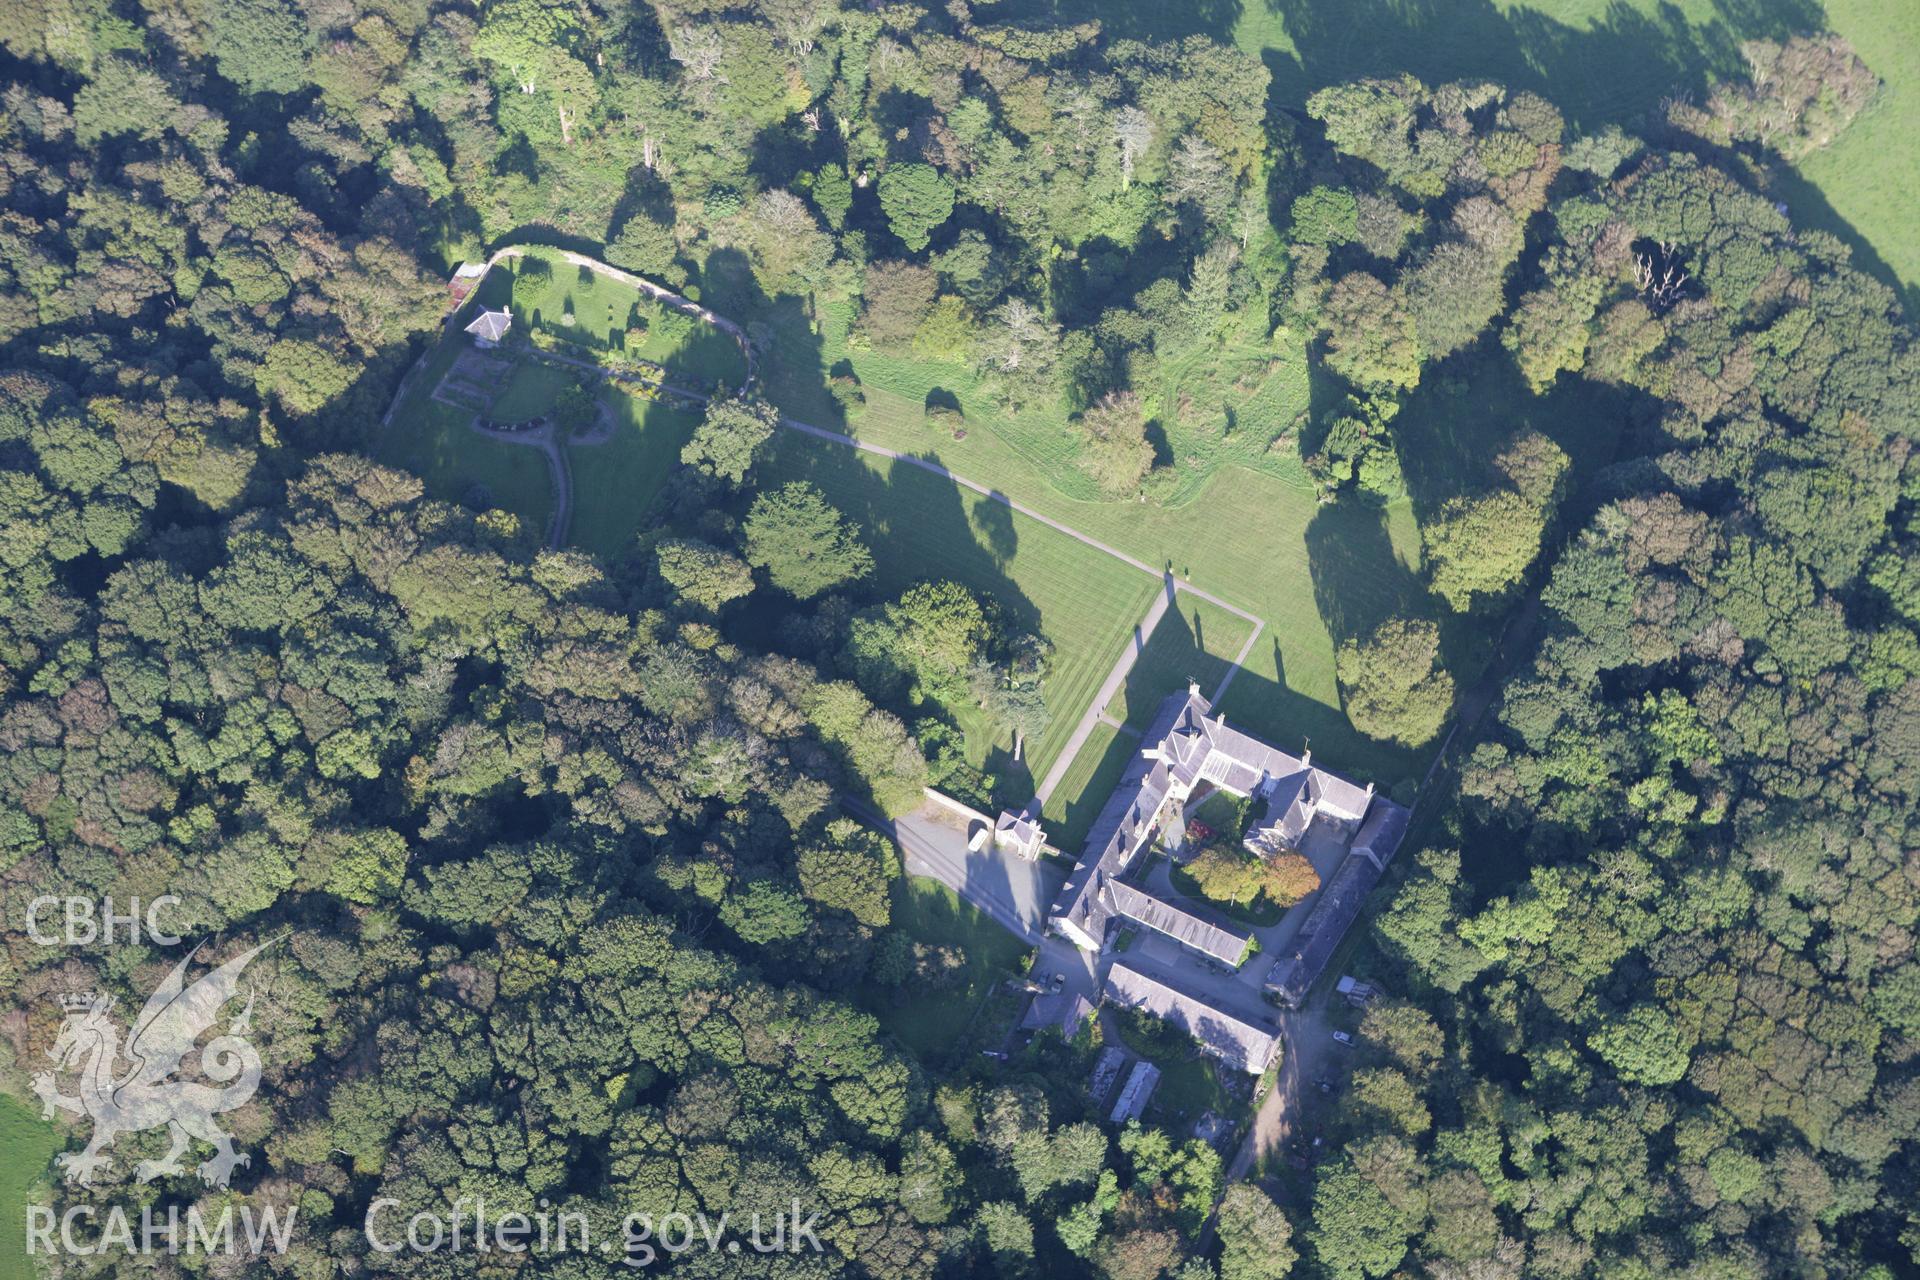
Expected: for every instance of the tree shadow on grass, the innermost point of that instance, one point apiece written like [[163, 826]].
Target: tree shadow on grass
[[1615, 70], [1075, 814], [1811, 209], [994, 522], [1469, 408], [919, 525], [1358, 581]]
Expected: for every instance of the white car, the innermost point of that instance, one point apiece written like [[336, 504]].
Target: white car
[[1343, 1037]]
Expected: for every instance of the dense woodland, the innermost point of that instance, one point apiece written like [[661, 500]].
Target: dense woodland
[[572, 912]]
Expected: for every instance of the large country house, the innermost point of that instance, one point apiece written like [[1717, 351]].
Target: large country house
[[1186, 753]]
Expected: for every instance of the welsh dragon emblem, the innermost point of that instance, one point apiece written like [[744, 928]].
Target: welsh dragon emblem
[[145, 1095]]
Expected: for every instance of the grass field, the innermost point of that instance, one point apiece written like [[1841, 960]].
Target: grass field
[[615, 482], [921, 526], [29, 1143], [606, 312], [1092, 776], [436, 442], [1195, 641], [1256, 537], [1864, 181], [929, 1023]]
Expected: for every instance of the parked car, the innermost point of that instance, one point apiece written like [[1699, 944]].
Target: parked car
[[1058, 981], [1343, 1037]]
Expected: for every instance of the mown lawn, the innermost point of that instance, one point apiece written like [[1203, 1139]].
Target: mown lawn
[[437, 443], [1195, 642], [1089, 780], [615, 482], [605, 312], [530, 392], [1256, 537], [29, 1143], [922, 526]]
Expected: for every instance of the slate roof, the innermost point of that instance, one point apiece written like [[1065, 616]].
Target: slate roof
[[1019, 831], [1185, 744], [1380, 835], [1123, 826], [1056, 1009], [490, 325], [1228, 1036], [1340, 901], [1344, 799], [1141, 1082], [1179, 923]]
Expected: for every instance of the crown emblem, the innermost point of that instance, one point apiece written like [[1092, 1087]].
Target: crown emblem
[[78, 1001]]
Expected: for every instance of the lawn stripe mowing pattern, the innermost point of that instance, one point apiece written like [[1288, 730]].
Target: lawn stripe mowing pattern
[[1251, 538], [922, 526], [29, 1143], [1196, 641], [1095, 772]]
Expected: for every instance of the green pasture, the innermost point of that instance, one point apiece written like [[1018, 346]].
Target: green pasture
[[1195, 642], [29, 1143], [922, 526]]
